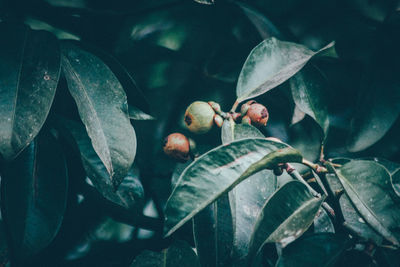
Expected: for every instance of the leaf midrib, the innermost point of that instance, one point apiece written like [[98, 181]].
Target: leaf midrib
[[17, 89], [103, 137], [388, 234]]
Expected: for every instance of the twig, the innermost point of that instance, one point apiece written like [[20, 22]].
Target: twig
[[296, 175], [234, 107], [317, 168]]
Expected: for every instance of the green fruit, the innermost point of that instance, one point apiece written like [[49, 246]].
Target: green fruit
[[199, 117]]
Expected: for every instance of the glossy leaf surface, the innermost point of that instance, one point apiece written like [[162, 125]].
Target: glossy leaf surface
[[368, 186], [29, 72], [271, 63], [286, 215], [34, 187], [217, 172], [103, 108]]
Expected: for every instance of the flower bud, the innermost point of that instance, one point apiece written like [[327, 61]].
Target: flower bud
[[177, 146], [199, 117]]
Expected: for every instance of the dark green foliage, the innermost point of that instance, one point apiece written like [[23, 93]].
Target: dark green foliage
[[90, 88]]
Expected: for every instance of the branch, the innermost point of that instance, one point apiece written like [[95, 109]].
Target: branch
[[296, 175]]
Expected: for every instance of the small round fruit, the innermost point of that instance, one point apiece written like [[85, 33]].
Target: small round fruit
[[246, 120], [177, 146], [218, 120], [199, 117], [258, 114]]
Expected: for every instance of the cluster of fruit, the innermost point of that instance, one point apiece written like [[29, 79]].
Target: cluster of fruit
[[201, 116]]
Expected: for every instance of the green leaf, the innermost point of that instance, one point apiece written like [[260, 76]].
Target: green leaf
[[34, 194], [368, 186], [231, 131], [355, 222], [352, 218], [129, 194], [178, 254], [103, 108], [137, 114], [29, 73], [213, 233], [212, 228], [395, 181], [134, 95], [264, 26], [310, 96], [390, 166], [323, 223], [376, 111], [271, 63], [393, 168], [217, 172], [249, 196], [286, 215], [322, 249]]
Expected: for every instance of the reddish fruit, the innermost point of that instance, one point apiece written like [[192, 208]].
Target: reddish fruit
[[199, 117], [258, 114], [177, 146]]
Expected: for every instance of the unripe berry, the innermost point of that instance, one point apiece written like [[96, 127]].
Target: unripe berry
[[199, 117], [177, 146], [246, 120], [218, 120], [258, 114]]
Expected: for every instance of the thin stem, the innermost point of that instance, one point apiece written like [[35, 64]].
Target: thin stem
[[234, 107], [321, 154], [317, 168], [296, 175]]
